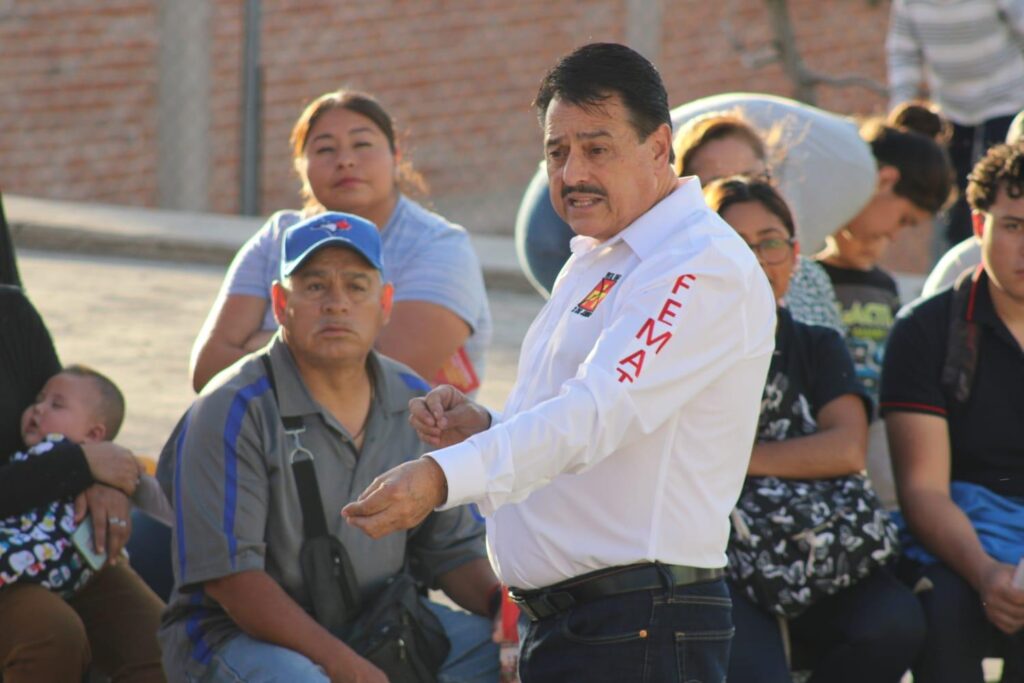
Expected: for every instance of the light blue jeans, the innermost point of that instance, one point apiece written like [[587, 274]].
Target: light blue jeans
[[472, 659]]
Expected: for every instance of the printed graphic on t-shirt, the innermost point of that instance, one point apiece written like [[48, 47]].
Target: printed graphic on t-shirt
[[868, 301], [35, 546], [868, 326], [597, 295]]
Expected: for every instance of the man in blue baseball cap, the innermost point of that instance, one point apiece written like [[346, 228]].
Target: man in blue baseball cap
[[244, 601], [346, 230]]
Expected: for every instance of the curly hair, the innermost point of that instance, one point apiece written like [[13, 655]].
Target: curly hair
[[1001, 167]]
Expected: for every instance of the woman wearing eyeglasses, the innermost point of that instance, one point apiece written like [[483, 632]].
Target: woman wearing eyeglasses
[[832, 173], [813, 425], [720, 144], [822, 166]]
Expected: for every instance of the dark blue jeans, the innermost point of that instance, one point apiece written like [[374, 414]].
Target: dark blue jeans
[[869, 632], [959, 633], [664, 635], [149, 552]]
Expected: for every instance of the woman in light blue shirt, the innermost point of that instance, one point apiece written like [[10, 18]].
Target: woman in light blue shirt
[[346, 155]]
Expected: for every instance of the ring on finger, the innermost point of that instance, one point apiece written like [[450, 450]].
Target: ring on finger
[[117, 521]]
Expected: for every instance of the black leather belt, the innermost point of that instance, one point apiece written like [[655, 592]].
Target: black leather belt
[[544, 602]]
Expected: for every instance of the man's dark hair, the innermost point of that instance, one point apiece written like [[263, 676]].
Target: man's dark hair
[[595, 72], [926, 174], [1001, 167], [111, 406]]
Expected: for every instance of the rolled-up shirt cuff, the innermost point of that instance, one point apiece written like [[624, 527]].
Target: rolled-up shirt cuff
[[495, 416], [464, 471]]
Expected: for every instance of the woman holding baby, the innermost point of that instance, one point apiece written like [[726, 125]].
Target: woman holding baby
[[61, 619]]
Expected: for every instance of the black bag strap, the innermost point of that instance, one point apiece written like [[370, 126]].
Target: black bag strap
[[314, 522], [961, 360]]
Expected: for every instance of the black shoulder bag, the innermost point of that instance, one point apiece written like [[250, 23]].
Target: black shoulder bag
[[394, 630], [961, 361]]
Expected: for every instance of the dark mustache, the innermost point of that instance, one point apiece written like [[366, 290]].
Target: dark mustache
[[583, 189]]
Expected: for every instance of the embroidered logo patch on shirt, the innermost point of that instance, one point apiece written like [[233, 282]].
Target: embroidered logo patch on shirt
[[597, 295]]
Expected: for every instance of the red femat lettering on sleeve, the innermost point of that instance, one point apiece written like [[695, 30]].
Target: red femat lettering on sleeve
[[654, 333]]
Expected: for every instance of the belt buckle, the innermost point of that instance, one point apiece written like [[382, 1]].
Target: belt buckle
[[543, 605], [526, 609], [523, 606]]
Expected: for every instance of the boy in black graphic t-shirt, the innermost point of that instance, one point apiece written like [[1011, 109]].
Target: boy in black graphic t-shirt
[[868, 303]]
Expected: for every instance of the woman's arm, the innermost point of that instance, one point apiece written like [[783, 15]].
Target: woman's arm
[[838, 447], [27, 359], [62, 473], [231, 330], [423, 336], [65, 471], [233, 327]]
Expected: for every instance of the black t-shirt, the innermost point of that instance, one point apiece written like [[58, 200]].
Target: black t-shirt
[[27, 360], [8, 264], [986, 433], [810, 368], [868, 303]]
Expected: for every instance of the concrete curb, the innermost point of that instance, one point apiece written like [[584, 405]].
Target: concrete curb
[[161, 235]]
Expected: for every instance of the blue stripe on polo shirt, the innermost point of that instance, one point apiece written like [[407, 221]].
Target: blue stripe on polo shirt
[[201, 651], [179, 517], [414, 382], [232, 428]]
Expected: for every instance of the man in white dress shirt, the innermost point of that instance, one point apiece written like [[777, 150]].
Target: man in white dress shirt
[[608, 480]]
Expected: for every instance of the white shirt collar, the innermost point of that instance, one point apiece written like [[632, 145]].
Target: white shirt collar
[[645, 234]]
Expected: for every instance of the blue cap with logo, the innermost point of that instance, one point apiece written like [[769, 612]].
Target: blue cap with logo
[[303, 239]]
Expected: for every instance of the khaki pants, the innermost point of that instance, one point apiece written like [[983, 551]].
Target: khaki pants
[[110, 625]]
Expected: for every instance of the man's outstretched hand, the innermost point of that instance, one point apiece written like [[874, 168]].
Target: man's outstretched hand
[[445, 417], [398, 499]]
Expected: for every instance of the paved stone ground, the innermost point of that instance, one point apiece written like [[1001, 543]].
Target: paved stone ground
[[136, 321]]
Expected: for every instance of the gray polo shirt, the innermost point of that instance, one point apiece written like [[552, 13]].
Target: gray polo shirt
[[225, 468]]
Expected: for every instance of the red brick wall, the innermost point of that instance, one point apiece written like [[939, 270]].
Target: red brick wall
[[226, 36], [458, 82], [78, 89], [838, 37], [79, 84]]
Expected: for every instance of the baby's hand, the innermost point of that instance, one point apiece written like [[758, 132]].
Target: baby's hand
[[113, 465]]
